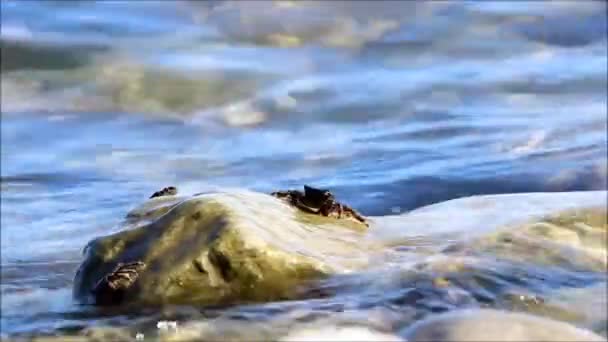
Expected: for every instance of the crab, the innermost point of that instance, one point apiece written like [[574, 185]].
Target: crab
[[111, 288], [320, 202], [168, 191]]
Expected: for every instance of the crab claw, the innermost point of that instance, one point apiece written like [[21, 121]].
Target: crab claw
[[111, 288]]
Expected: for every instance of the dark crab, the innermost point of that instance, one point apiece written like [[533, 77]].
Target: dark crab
[[168, 191], [111, 288], [319, 201]]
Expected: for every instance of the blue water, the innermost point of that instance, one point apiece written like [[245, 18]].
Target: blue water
[[392, 105]]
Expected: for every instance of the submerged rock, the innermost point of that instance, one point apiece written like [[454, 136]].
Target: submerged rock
[[216, 249], [573, 239], [339, 333], [494, 325], [464, 219]]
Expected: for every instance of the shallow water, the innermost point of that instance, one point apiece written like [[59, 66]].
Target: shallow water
[[392, 105]]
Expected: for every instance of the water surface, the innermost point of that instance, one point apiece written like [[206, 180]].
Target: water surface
[[392, 105]]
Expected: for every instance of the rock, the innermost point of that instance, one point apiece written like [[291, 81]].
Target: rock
[[494, 325], [153, 209], [571, 239], [228, 248], [566, 229], [240, 246], [288, 326], [221, 248], [466, 254], [480, 215], [584, 306], [338, 333]]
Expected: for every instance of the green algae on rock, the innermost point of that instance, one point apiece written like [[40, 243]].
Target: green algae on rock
[[573, 239], [222, 248]]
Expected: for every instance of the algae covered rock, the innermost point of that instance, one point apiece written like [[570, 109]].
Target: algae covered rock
[[216, 249], [571, 239], [472, 217], [239, 246]]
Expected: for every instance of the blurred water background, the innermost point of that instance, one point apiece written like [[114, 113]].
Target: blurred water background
[[392, 105]]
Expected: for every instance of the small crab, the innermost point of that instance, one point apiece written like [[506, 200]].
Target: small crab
[[111, 288], [168, 191], [319, 201]]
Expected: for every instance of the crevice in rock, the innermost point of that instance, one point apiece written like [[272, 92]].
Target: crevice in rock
[[222, 264]]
